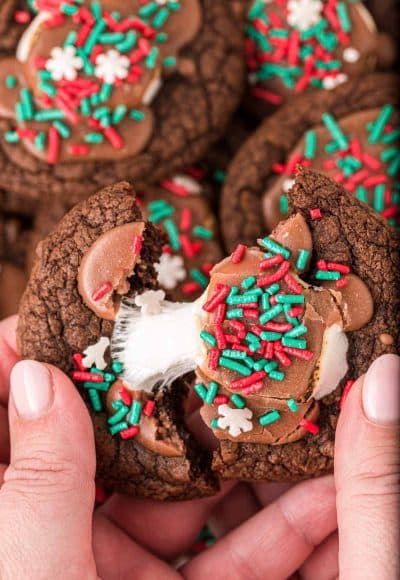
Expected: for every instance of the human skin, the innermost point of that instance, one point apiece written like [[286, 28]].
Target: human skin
[[346, 525]]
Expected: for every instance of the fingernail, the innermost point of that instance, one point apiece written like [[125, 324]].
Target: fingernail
[[31, 389], [381, 390]]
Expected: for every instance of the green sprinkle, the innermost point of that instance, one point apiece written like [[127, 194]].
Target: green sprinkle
[[327, 275], [134, 414], [137, 115], [119, 415], [265, 304], [211, 392], [260, 364], [232, 293], [208, 338], [273, 289], [275, 248], [284, 203], [111, 37], [95, 400], [291, 319], [379, 198], [335, 131], [169, 61], [214, 424], [68, 9], [11, 137], [161, 214], [269, 418], [151, 59], [293, 406], [40, 141], [379, 125], [238, 401], [202, 232], [237, 354], [97, 386], [219, 175], [294, 343], [234, 313], [48, 88], [344, 17], [148, 9], [71, 38], [94, 35], [248, 282], [389, 153], [49, 115], [117, 367], [271, 366], [361, 193], [128, 43], [302, 259], [114, 429], [256, 10], [297, 331], [105, 92], [250, 337], [276, 375], [85, 107], [199, 277], [63, 129], [173, 234], [266, 335], [27, 102], [388, 138], [310, 146], [94, 138], [228, 363], [271, 313], [101, 112], [160, 18], [201, 391], [11, 82], [290, 298]]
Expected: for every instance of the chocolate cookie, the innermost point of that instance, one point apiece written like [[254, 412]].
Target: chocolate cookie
[[276, 339], [14, 17], [13, 281], [115, 90], [305, 45], [350, 133], [66, 318]]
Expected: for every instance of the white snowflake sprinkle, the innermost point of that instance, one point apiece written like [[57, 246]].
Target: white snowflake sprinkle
[[170, 270], [95, 354], [331, 82], [150, 301], [64, 63], [191, 185], [303, 14], [287, 184], [112, 65], [235, 420], [351, 54]]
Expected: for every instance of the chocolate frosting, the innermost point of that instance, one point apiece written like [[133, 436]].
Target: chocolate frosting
[[348, 308], [106, 267]]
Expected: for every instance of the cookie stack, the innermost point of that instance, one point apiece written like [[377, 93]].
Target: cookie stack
[[142, 142]]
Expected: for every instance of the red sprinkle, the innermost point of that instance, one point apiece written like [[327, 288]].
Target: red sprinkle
[[84, 376], [22, 17], [220, 312], [213, 358], [299, 353], [247, 381], [267, 96], [269, 350], [100, 496], [220, 400], [186, 219], [309, 426], [270, 262], [256, 388], [129, 433], [77, 358], [219, 296], [148, 408], [220, 336], [322, 265], [190, 287], [338, 267], [54, 146], [137, 245], [174, 188], [342, 282], [278, 326], [282, 358], [345, 392], [315, 214], [238, 253], [125, 396], [293, 285], [102, 291], [275, 277]]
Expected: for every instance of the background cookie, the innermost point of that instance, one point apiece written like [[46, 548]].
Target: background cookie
[[199, 92], [56, 326], [271, 152]]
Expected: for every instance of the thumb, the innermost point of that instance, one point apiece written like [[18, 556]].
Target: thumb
[[47, 499], [367, 474]]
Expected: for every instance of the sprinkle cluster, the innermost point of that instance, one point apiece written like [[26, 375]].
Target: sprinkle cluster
[[258, 329], [187, 239], [76, 83], [371, 177], [125, 421], [298, 43]]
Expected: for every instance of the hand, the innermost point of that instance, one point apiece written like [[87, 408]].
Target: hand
[[47, 495]]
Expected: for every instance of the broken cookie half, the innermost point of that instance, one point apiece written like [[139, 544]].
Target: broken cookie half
[[274, 339]]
